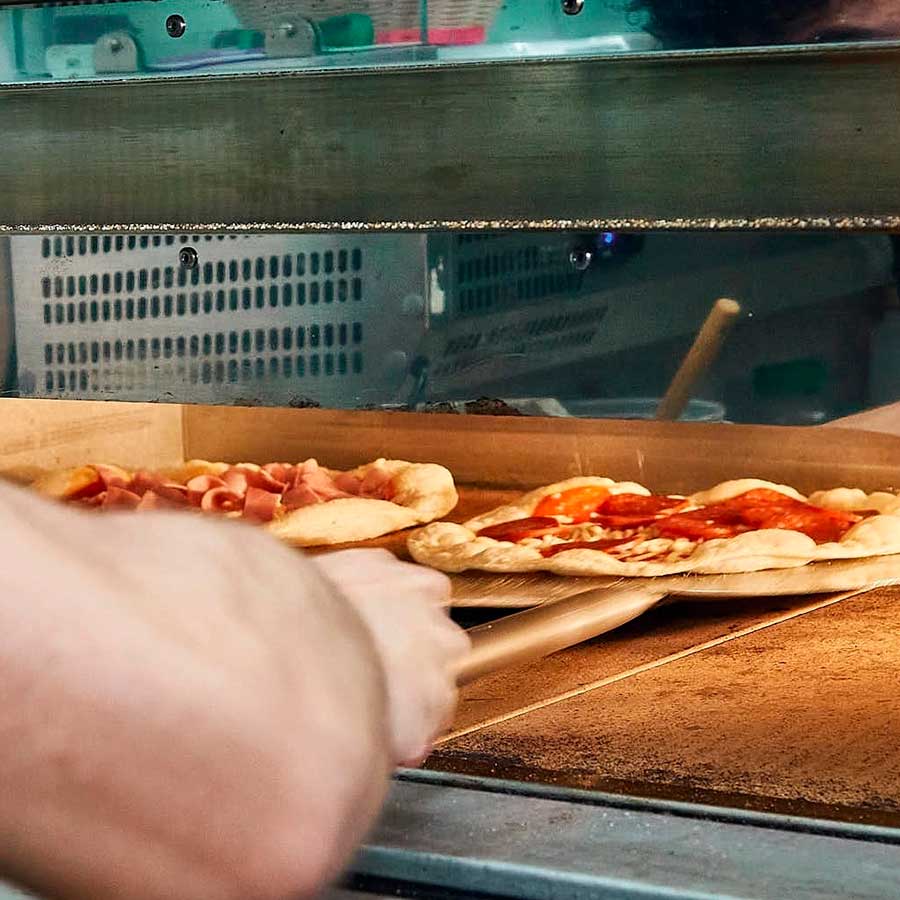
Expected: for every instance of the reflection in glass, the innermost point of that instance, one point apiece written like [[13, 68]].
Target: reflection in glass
[[498, 323], [732, 23], [94, 39]]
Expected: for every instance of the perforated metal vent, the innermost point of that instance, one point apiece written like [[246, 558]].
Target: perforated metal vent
[[513, 303], [496, 272], [257, 319]]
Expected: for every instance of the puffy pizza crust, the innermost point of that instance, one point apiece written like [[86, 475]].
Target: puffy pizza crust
[[422, 492], [457, 548]]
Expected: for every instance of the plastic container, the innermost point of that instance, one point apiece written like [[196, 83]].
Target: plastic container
[[641, 408]]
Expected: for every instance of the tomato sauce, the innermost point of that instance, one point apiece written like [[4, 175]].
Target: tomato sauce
[[520, 529]]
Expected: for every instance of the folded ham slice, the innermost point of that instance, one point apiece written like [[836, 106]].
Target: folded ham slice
[[221, 499], [118, 498], [300, 496], [259, 493], [259, 478], [261, 505], [289, 501], [200, 485]]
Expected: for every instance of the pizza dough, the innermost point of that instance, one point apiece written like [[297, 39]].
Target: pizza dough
[[870, 523], [304, 504]]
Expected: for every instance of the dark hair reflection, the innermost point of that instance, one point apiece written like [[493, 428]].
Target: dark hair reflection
[[736, 23]]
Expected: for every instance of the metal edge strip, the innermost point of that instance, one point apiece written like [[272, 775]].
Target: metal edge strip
[[725, 815], [504, 879], [881, 223]]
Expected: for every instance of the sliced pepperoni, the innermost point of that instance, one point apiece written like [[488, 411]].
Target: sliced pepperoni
[[759, 497], [519, 529], [260, 505], [756, 510], [576, 503], [640, 504], [635, 510], [700, 525], [822, 525], [603, 546]]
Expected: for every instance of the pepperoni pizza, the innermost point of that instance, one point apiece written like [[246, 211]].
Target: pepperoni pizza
[[304, 504], [596, 526]]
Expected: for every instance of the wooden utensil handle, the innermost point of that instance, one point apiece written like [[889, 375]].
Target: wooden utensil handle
[[534, 633], [699, 359]]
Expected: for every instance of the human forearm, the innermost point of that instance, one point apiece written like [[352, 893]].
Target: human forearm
[[156, 741]]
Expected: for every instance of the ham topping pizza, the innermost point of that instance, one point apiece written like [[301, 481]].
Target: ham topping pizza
[[304, 503], [596, 526]]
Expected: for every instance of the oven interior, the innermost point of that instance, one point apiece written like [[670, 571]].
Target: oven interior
[[487, 234]]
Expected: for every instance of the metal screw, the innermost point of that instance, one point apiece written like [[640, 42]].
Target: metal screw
[[287, 29], [187, 258], [115, 45], [572, 7], [175, 25], [580, 259]]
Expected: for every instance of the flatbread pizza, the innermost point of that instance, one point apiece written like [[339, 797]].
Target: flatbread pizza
[[597, 526], [303, 504]]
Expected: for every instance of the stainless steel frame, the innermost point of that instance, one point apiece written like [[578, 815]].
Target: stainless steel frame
[[759, 139], [471, 835], [7, 323]]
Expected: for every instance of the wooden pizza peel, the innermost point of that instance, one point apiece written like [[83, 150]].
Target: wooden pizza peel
[[573, 610]]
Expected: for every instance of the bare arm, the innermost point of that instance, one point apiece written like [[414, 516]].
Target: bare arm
[[186, 709]]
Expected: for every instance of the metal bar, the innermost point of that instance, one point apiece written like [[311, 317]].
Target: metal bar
[[7, 319], [791, 139], [459, 837], [726, 815]]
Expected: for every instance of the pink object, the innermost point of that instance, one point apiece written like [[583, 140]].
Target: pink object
[[260, 504], [473, 34]]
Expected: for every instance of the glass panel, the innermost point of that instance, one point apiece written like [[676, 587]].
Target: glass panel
[[96, 40], [590, 325]]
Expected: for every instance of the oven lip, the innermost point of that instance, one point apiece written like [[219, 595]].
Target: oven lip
[[447, 836], [720, 814]]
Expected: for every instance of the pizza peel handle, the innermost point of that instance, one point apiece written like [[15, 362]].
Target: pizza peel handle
[[535, 633]]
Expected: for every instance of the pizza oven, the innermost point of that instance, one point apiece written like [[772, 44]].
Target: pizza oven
[[497, 236]]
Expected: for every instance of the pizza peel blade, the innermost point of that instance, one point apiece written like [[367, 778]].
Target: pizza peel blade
[[565, 619]]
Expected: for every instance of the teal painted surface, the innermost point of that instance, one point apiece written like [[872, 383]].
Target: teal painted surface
[[541, 20], [27, 32], [32, 29]]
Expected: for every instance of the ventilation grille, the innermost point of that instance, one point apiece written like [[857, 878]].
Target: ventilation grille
[[545, 339], [492, 273], [258, 319]]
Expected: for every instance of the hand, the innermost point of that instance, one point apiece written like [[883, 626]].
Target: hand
[[188, 709], [403, 606]]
